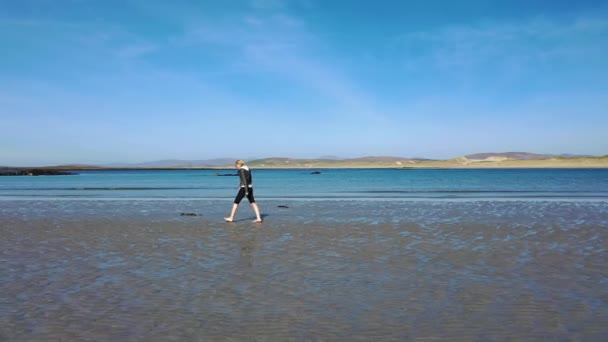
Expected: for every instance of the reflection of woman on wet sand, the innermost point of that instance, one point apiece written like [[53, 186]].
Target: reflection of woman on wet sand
[[247, 245], [245, 189]]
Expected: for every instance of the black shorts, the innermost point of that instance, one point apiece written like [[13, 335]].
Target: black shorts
[[241, 194]]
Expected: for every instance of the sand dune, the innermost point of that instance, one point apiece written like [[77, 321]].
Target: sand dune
[[461, 162], [471, 161]]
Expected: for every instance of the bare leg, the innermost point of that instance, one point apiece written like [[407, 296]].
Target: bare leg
[[232, 213], [256, 209]]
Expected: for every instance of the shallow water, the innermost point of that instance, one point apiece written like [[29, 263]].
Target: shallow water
[[318, 270], [337, 184]]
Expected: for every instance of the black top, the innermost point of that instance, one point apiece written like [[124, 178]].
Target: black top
[[245, 177]]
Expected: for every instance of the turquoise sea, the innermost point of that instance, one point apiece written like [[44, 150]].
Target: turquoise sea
[[329, 184], [428, 196]]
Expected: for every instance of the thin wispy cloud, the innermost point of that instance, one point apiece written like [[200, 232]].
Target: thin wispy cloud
[[536, 40], [277, 43], [135, 50], [268, 4]]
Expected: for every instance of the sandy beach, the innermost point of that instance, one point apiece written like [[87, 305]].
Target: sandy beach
[[80, 274]]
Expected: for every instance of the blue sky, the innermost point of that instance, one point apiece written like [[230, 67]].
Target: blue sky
[[128, 81]]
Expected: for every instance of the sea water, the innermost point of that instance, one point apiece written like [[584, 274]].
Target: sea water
[[377, 196], [325, 184]]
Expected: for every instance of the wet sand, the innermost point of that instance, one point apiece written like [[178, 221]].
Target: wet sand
[[197, 278]]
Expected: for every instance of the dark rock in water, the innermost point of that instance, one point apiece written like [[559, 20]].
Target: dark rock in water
[[34, 172], [42, 172], [315, 173], [188, 214], [283, 206]]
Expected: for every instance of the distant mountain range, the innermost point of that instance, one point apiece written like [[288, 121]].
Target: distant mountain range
[[328, 160], [223, 162], [523, 155], [170, 163], [491, 159]]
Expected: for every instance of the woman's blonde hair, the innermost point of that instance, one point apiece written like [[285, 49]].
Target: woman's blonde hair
[[240, 162]]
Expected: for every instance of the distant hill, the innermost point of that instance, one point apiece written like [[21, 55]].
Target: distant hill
[[377, 159], [288, 162], [568, 155], [176, 163], [72, 167], [478, 160], [370, 159], [283, 162], [522, 155]]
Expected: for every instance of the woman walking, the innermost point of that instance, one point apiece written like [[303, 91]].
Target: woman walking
[[245, 189]]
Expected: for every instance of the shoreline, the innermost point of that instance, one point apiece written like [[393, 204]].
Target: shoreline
[[346, 167], [600, 162]]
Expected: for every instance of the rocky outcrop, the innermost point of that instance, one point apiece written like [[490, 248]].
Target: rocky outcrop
[[189, 214], [34, 172]]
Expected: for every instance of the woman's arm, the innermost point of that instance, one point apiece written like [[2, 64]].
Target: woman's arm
[[243, 178]]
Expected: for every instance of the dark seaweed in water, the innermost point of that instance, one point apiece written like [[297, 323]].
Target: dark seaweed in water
[[226, 174], [34, 172]]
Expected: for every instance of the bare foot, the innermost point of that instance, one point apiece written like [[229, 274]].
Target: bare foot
[[228, 219], [257, 221]]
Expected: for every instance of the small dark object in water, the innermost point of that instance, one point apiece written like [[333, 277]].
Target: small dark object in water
[[315, 173], [226, 174], [34, 172], [188, 214], [283, 206]]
